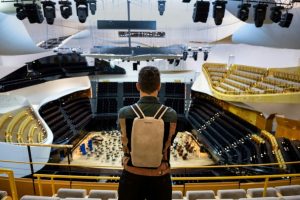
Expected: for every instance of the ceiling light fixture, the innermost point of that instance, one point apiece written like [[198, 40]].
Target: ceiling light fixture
[[260, 14], [219, 11], [243, 12], [49, 11]]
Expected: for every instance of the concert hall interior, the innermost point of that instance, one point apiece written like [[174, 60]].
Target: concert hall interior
[[229, 68]]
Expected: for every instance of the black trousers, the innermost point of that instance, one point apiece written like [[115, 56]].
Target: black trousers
[[136, 187]]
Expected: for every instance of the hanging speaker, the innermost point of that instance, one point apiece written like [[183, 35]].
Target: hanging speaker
[[286, 20], [201, 9], [134, 66]]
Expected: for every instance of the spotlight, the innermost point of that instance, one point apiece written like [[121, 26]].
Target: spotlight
[[82, 10], [20, 11], [275, 15], [171, 61], [134, 66], [243, 12], [34, 13], [219, 11], [286, 20], [65, 9], [49, 11], [205, 55], [184, 55], [177, 61], [161, 6], [260, 14], [201, 9], [195, 55], [93, 6]]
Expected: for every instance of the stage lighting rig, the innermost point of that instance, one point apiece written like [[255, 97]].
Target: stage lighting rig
[[34, 13], [82, 10], [219, 11], [161, 6], [201, 10], [20, 11], [205, 55], [93, 6], [286, 20], [260, 14], [65, 9], [49, 11], [185, 55], [243, 12], [195, 55], [276, 13]]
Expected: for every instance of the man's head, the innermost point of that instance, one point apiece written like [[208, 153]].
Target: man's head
[[149, 80]]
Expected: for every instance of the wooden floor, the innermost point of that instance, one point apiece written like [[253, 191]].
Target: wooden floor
[[107, 151]]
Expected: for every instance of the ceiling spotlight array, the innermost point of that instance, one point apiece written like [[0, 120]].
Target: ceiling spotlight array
[[65, 9], [33, 11], [49, 11], [161, 6], [243, 12], [201, 10], [219, 11]]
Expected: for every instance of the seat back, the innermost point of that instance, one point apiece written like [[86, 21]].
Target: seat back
[[177, 195], [31, 197], [103, 194], [71, 193], [232, 194], [288, 190], [258, 192], [200, 194]]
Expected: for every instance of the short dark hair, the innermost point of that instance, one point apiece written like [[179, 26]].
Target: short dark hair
[[149, 79]]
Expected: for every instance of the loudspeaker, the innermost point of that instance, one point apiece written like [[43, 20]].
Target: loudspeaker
[[134, 66], [201, 9], [286, 20]]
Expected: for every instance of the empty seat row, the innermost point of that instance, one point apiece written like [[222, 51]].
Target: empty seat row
[[72, 194], [290, 192], [284, 192]]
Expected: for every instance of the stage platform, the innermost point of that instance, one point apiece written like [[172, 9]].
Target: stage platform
[[104, 150]]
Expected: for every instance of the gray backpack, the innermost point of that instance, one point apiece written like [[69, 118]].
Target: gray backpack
[[147, 137]]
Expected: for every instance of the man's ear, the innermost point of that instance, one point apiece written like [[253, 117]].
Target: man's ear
[[158, 89], [138, 86]]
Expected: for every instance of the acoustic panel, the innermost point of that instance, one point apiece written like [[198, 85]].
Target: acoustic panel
[[122, 24]]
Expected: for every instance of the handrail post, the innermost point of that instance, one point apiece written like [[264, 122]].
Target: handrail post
[[69, 167], [52, 186], [40, 186], [31, 168], [12, 184], [265, 187]]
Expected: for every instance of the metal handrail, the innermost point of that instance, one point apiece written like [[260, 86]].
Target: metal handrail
[[12, 182], [181, 167], [265, 177]]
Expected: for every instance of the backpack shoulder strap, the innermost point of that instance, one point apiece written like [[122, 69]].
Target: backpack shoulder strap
[[137, 110], [160, 112]]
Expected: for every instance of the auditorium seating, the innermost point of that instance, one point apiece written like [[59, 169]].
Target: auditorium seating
[[250, 80], [204, 194], [290, 192], [73, 193], [3, 195], [258, 192], [66, 116], [103, 194], [16, 127], [228, 138]]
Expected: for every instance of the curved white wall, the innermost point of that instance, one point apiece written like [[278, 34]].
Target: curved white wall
[[14, 38]]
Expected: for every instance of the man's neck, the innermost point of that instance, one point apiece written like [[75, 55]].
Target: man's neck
[[153, 94]]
